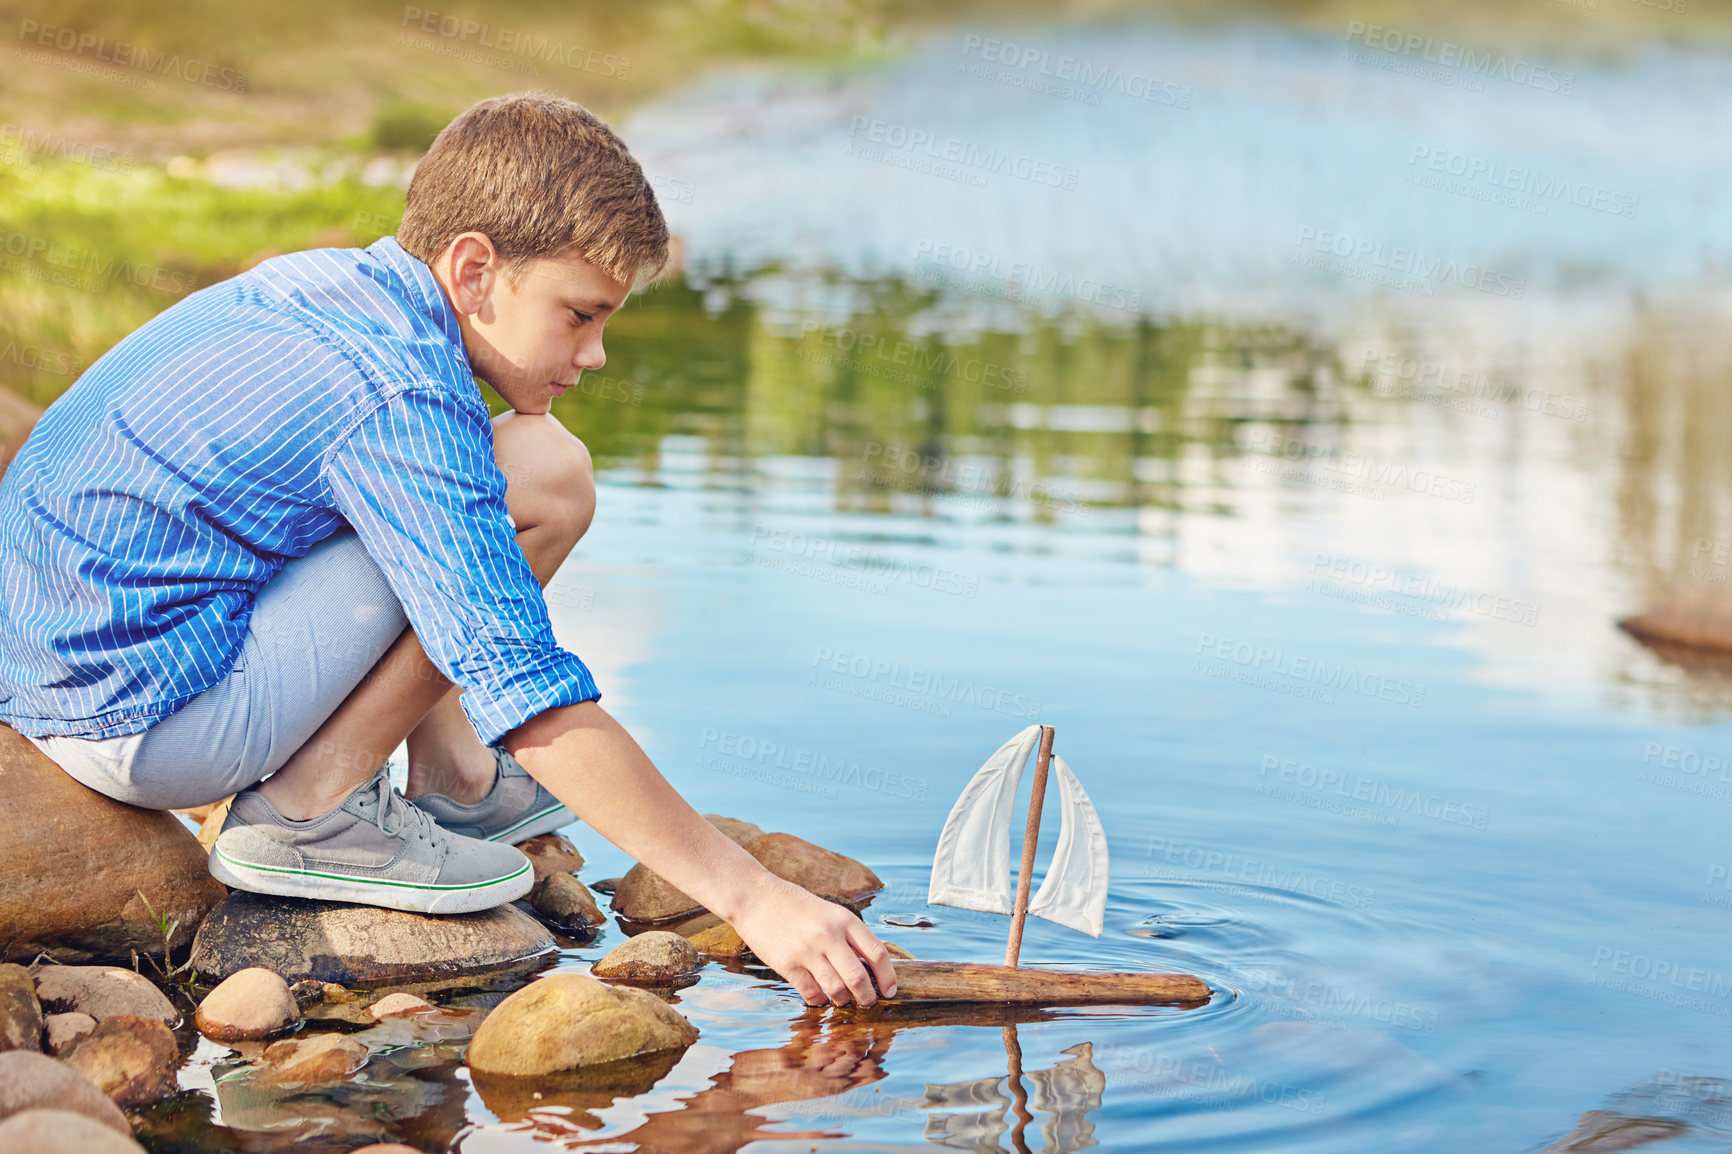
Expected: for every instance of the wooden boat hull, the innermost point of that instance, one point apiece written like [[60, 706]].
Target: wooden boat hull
[[924, 982]]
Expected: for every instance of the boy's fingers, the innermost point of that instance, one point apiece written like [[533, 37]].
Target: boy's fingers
[[835, 987], [806, 986], [859, 981], [873, 953]]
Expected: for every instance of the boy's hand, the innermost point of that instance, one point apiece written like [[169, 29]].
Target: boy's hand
[[822, 950], [589, 762]]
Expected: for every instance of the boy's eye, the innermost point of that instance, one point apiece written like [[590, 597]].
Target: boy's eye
[[583, 318]]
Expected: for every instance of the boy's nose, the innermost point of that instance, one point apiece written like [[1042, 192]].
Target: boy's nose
[[590, 356]]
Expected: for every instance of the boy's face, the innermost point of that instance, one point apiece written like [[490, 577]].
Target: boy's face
[[531, 339]]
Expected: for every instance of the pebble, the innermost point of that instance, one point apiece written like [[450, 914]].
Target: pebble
[[248, 1006], [570, 1021], [61, 1131], [307, 993], [551, 854], [321, 1058], [102, 992], [720, 941], [654, 958], [398, 1006], [64, 1030], [20, 1012], [566, 902], [31, 1081], [130, 1059]]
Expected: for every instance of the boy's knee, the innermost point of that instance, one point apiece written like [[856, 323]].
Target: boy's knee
[[549, 475]]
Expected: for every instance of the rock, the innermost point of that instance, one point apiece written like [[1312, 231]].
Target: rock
[[319, 1059], [64, 1030], [361, 945], [653, 958], [103, 992], [569, 1021], [1693, 619], [720, 941], [20, 1012], [817, 870], [645, 896], [338, 994], [396, 1006], [211, 827], [551, 854], [741, 833], [130, 1059], [79, 867], [248, 1006], [35, 1081], [1603, 1132], [200, 813], [60, 1131], [566, 902], [386, 1148], [897, 951], [307, 993], [691, 927]]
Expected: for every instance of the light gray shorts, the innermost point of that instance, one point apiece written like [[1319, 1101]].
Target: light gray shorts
[[319, 625]]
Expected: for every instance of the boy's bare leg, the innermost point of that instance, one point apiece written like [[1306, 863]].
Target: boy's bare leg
[[550, 493]]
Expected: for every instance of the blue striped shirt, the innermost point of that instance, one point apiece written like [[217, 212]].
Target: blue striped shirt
[[232, 433]]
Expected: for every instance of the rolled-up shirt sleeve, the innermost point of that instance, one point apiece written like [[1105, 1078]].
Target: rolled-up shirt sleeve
[[417, 480]]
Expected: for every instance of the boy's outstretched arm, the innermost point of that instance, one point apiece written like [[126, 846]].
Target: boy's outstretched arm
[[588, 761]]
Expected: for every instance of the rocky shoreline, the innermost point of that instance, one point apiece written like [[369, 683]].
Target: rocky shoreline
[[105, 894]]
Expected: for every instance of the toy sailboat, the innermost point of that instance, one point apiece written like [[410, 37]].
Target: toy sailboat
[[971, 871]]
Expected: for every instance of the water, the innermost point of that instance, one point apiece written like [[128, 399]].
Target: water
[[1314, 567]]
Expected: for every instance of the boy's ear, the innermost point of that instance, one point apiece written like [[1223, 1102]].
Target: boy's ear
[[471, 265]]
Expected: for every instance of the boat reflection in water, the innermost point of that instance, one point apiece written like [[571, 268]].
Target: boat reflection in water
[[820, 1081]]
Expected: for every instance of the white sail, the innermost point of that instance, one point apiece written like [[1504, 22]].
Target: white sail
[[1074, 891], [971, 869]]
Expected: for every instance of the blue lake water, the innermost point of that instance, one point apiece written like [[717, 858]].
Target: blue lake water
[[1312, 555]]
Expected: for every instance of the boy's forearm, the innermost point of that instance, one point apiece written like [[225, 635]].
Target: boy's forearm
[[588, 761]]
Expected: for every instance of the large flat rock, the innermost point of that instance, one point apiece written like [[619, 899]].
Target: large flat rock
[[361, 945], [82, 871]]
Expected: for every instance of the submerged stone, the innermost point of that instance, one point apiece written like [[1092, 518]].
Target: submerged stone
[[361, 945], [84, 872], [130, 1059], [571, 1021], [20, 1012], [316, 1060]]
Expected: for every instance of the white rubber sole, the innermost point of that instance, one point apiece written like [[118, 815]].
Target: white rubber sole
[[411, 896], [536, 824]]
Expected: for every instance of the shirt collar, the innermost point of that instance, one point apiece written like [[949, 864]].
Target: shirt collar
[[421, 287]]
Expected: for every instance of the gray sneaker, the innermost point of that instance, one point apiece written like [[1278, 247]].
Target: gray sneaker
[[376, 849], [516, 810]]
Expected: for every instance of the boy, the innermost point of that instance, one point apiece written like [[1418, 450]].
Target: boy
[[262, 541]]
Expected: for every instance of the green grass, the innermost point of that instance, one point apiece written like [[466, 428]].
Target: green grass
[[87, 255]]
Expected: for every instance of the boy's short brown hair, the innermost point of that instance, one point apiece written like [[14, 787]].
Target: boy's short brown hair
[[541, 176]]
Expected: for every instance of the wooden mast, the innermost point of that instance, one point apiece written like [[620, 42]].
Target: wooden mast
[[1030, 836]]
